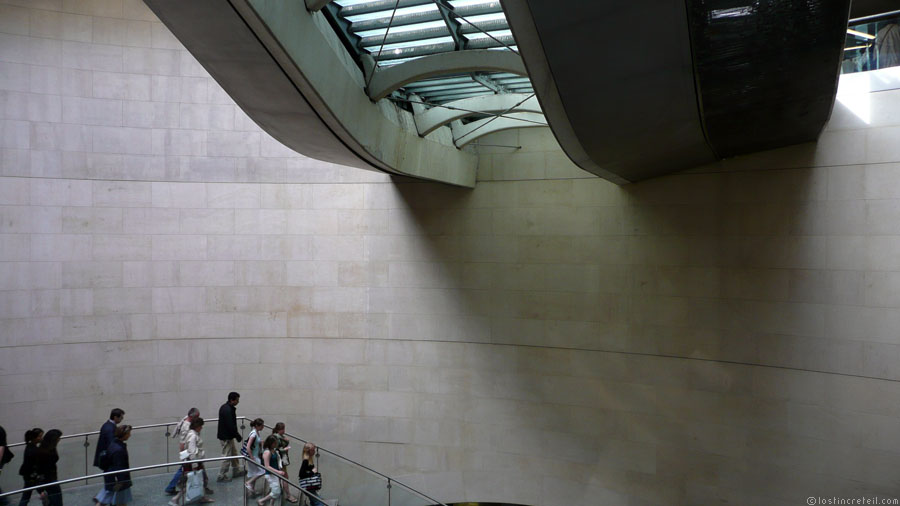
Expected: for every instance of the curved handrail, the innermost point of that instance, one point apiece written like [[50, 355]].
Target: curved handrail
[[242, 418], [131, 469], [367, 468], [136, 427]]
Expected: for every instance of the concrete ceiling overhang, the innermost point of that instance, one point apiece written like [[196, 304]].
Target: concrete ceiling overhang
[[286, 69], [638, 89]]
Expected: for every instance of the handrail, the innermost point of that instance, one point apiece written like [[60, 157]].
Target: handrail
[[874, 17], [136, 427], [341, 457], [131, 469], [242, 418]]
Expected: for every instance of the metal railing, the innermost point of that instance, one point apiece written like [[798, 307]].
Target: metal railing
[[388, 481], [155, 466], [286, 483], [168, 433]]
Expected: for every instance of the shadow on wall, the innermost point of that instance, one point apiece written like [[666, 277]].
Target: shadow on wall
[[705, 334]]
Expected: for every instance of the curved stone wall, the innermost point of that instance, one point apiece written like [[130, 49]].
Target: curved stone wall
[[724, 335]]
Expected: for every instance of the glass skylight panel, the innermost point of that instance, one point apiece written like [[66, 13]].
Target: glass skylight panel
[[410, 44], [404, 11], [471, 3], [417, 29], [484, 18], [497, 34], [379, 32]]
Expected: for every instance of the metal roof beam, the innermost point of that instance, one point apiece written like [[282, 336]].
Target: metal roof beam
[[486, 81], [431, 119], [464, 134], [452, 24], [341, 27], [316, 5], [387, 79]]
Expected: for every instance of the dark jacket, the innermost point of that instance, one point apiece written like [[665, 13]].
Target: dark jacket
[[228, 423], [117, 456], [107, 434], [28, 469], [7, 455], [45, 464]]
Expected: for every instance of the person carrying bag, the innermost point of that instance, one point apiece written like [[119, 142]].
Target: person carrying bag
[[194, 477]]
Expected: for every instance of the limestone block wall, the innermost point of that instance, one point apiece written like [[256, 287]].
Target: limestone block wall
[[726, 335]]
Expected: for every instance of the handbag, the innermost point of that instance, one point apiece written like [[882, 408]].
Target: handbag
[[194, 487], [311, 482], [244, 450]]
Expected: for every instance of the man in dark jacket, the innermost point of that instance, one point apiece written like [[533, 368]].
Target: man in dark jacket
[[228, 436], [107, 434]]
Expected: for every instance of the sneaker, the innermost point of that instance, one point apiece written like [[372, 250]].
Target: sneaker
[[242, 472], [173, 503], [171, 491], [208, 491], [223, 478]]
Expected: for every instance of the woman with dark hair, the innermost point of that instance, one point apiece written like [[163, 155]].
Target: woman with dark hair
[[272, 467], [46, 459], [254, 448], [284, 445], [117, 487], [28, 469]]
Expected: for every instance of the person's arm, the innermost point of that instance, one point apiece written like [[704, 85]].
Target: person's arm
[[266, 456], [192, 447]]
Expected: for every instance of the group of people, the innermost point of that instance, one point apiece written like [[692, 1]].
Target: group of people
[[270, 456], [270, 459], [38, 465]]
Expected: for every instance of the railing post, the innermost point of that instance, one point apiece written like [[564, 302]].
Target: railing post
[[389, 491], [86, 444], [167, 445]]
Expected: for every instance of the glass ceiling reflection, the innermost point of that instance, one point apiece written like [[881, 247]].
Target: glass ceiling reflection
[[424, 27]]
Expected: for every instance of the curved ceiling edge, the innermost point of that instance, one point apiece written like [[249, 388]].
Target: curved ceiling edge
[[529, 42], [284, 72]]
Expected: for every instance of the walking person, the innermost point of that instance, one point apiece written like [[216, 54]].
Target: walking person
[[284, 446], [271, 464], [254, 448], [5, 456], [180, 434], [308, 469], [117, 487], [107, 435], [28, 469], [228, 436], [193, 445], [47, 457]]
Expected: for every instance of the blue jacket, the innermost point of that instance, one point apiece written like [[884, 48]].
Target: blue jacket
[[107, 434], [117, 457]]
